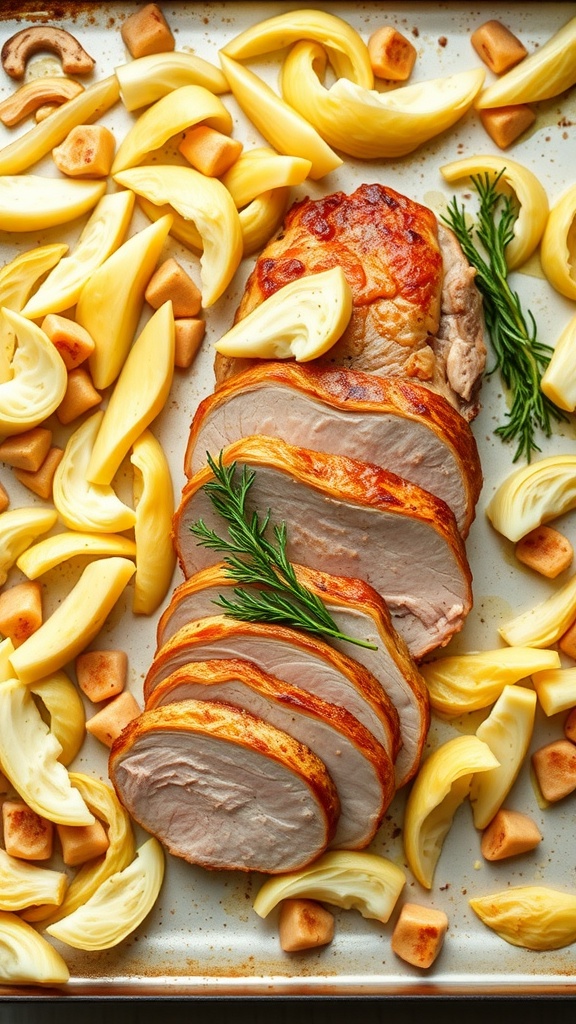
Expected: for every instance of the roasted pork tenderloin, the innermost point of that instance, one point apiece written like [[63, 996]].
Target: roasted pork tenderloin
[[358, 765], [349, 518], [223, 789], [359, 612]]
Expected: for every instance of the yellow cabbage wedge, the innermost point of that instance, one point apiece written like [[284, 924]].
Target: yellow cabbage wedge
[[353, 880], [19, 527], [66, 712], [556, 689], [154, 504], [283, 127], [508, 731], [184, 230], [112, 300], [118, 905], [29, 757], [532, 495], [558, 248], [169, 116], [52, 551], [532, 916], [31, 202], [27, 958], [36, 143], [559, 378], [17, 280], [146, 79], [104, 805], [442, 784], [368, 124], [81, 505], [460, 683], [548, 71], [261, 169], [530, 195], [24, 885], [75, 622], [101, 236], [261, 218], [302, 320], [208, 204], [138, 397], [348, 52], [544, 624], [38, 377]]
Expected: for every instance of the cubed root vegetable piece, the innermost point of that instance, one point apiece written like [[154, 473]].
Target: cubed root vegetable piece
[[108, 723], [188, 336], [82, 842], [4, 499], [304, 924], [41, 481], [509, 834], [147, 31], [209, 150], [570, 726], [101, 674], [27, 835], [506, 124], [419, 933], [20, 611], [555, 769], [80, 396], [171, 282], [27, 450], [87, 152], [497, 46], [567, 642], [72, 341], [546, 550], [392, 55]]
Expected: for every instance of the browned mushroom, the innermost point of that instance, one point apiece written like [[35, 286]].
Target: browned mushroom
[[19, 47], [29, 97]]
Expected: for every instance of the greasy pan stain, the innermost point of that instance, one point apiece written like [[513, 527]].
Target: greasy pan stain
[[20, 10]]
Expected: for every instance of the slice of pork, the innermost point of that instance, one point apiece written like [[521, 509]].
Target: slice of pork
[[394, 423], [223, 789], [358, 612], [358, 765], [302, 660], [348, 518]]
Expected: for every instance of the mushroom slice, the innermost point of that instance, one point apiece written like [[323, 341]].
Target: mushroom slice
[[27, 958], [28, 41], [33, 95]]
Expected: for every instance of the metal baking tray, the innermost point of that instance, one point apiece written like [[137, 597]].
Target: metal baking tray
[[202, 937]]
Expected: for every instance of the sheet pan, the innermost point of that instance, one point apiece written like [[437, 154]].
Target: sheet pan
[[202, 937]]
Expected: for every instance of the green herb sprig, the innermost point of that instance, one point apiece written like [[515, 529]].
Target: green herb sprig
[[254, 560], [520, 357]]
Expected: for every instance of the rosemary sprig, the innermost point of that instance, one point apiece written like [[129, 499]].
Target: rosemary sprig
[[254, 560], [520, 357]]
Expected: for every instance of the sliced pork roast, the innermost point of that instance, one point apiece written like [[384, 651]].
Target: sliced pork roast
[[287, 654], [358, 765], [394, 423], [223, 789], [349, 518], [358, 612], [417, 312]]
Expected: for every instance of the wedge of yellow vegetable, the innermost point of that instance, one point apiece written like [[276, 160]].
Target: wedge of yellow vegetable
[[556, 689], [111, 301], [209, 205], [559, 378], [52, 551], [169, 116], [38, 377], [548, 71], [544, 624], [184, 230], [262, 217], [460, 683], [63, 199], [508, 732], [29, 757], [558, 248], [66, 712], [533, 494], [138, 396], [23, 884], [348, 52], [146, 79], [261, 169], [368, 124], [17, 279], [75, 622], [27, 958], [277, 120], [101, 236], [353, 880], [302, 320], [441, 785], [118, 906], [19, 527], [532, 916], [154, 504], [83, 506]]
